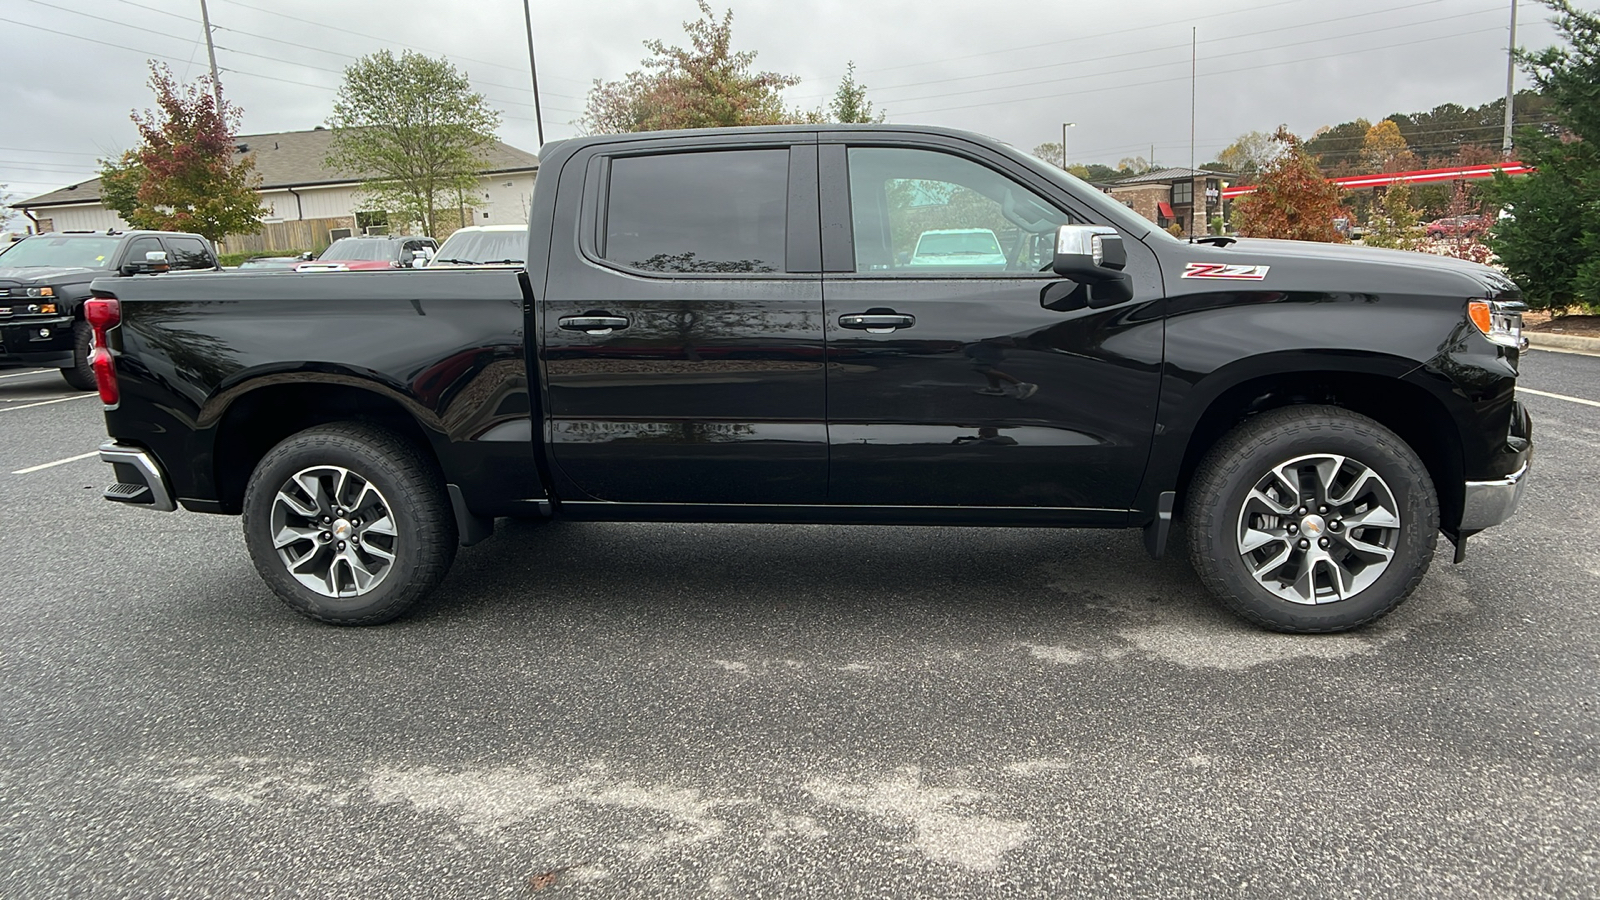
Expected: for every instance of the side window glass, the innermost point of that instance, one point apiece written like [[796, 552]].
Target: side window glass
[[188, 253], [139, 247], [927, 213], [721, 212]]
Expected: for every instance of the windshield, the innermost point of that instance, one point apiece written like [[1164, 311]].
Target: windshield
[[958, 243], [476, 247], [63, 252], [1120, 216], [345, 249]]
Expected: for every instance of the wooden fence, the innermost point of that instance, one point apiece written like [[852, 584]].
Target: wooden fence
[[301, 234]]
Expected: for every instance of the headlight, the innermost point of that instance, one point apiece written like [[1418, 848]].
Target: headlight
[[1501, 323], [41, 292]]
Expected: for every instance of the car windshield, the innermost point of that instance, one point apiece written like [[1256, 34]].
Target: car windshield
[[476, 247], [1120, 217], [958, 243], [65, 252], [347, 250]]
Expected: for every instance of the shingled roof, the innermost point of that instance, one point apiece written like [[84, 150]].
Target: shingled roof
[[1162, 176], [288, 159]]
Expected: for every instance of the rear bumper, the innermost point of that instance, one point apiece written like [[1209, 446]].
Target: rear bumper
[[140, 481]]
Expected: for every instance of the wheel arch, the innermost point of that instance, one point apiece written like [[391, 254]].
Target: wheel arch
[[1410, 411], [260, 416]]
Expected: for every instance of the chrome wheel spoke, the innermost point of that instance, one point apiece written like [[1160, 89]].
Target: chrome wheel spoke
[[1318, 529], [320, 543], [290, 534]]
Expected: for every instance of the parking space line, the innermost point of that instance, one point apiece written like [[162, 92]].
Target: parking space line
[[59, 462], [6, 409], [1524, 390], [34, 372]]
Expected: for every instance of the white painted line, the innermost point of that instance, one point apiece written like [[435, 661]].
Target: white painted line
[[6, 409], [1523, 390], [59, 462], [72, 396], [34, 372]]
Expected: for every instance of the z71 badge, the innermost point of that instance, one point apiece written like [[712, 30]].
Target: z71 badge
[[1225, 271]]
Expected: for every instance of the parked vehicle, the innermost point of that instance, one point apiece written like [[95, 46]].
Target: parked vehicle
[[351, 254], [1451, 226], [483, 245], [962, 247], [44, 279], [719, 326], [268, 263]]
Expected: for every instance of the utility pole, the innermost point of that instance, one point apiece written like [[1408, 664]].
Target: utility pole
[[1195, 203], [1064, 127], [533, 69], [211, 51], [1511, 80]]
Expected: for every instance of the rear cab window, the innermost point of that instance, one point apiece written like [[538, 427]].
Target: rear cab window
[[719, 212]]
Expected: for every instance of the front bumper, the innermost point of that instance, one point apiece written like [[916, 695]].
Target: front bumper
[[22, 344], [1486, 504], [140, 480]]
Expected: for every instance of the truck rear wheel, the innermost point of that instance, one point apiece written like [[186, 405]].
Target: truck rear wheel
[[81, 374], [349, 524], [1312, 519]]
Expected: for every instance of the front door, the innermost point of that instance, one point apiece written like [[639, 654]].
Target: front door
[[950, 381], [683, 348]]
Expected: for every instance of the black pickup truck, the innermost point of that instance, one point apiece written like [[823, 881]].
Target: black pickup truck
[[44, 279], [833, 324]]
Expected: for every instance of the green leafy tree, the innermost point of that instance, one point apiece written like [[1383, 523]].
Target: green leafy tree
[[414, 131], [182, 176], [850, 103], [1551, 242], [704, 86], [1292, 200], [1394, 222]]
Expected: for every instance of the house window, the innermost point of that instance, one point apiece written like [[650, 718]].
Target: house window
[[1183, 193]]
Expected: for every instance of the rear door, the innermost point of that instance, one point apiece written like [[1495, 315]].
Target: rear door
[[682, 324], [952, 380]]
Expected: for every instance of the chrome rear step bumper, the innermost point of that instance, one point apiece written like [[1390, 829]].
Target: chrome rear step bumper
[[140, 480]]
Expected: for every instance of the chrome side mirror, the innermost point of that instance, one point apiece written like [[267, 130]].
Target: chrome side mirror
[[1089, 253]]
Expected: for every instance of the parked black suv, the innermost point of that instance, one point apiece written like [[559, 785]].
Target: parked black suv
[[44, 279]]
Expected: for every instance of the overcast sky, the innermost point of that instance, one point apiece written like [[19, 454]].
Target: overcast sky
[[74, 69]]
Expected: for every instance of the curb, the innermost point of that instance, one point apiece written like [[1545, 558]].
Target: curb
[[1546, 340]]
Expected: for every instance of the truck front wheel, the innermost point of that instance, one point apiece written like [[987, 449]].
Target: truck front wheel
[[348, 524], [81, 374], [1312, 519]]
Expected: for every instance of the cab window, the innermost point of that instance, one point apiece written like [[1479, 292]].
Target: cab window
[[189, 253], [926, 213]]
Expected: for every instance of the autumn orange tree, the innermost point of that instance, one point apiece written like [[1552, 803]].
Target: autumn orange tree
[[1291, 200], [182, 176], [706, 85]]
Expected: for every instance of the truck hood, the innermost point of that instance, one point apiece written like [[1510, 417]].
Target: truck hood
[[49, 275], [1307, 265]]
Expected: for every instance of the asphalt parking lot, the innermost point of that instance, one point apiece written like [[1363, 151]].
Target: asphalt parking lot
[[604, 710]]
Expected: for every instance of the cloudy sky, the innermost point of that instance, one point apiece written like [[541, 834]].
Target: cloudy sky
[[74, 69]]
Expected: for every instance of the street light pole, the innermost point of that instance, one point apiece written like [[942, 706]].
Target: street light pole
[[1064, 127], [1511, 82]]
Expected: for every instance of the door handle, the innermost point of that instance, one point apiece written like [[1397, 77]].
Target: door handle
[[877, 322], [597, 325]]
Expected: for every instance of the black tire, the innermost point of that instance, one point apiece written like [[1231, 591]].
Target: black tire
[[411, 491], [1246, 457], [81, 375]]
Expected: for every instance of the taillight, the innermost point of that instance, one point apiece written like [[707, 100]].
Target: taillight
[[104, 314]]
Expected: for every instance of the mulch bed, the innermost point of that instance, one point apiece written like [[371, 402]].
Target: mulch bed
[[1585, 326]]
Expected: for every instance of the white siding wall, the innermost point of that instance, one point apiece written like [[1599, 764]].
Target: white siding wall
[[506, 203], [80, 218]]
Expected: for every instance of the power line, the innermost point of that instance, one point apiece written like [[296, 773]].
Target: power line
[[1161, 65], [1150, 50], [1252, 68]]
